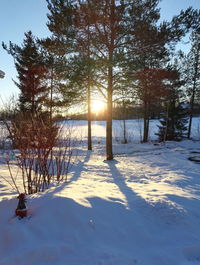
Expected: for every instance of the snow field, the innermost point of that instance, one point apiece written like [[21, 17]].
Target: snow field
[[142, 208]]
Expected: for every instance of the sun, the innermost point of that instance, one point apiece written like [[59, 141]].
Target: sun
[[97, 106]]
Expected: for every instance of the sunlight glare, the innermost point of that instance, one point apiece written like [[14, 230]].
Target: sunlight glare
[[97, 106]]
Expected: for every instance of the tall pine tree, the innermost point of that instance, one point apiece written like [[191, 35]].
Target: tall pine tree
[[174, 119], [151, 42], [30, 66], [192, 74]]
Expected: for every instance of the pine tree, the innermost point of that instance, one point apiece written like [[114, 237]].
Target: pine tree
[[102, 22], [151, 43], [174, 121], [192, 74], [150, 90], [119, 33], [66, 22], [174, 125], [55, 63], [32, 72]]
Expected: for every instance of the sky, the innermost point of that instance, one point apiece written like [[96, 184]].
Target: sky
[[19, 16]]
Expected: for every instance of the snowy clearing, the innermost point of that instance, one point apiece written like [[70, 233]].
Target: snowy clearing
[[142, 208]]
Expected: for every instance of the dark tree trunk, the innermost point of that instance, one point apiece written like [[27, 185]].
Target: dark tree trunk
[[51, 98], [89, 118], [166, 126], [191, 114], [124, 123], [146, 123], [124, 130], [33, 108], [193, 95], [89, 90], [109, 151]]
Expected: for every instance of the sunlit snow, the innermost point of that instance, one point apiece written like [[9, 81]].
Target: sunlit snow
[[142, 208]]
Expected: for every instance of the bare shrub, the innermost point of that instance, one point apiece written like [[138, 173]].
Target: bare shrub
[[62, 154], [42, 152]]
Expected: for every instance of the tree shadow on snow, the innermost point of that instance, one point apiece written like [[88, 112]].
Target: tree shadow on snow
[[79, 168], [164, 210], [132, 198], [83, 235]]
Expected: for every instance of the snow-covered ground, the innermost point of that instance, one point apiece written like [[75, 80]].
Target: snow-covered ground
[[142, 208]]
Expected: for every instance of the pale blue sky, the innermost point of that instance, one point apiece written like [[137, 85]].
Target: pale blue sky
[[19, 16]]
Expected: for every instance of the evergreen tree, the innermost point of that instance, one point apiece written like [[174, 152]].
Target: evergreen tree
[[151, 43], [174, 121], [121, 37], [149, 52], [66, 23], [191, 71], [32, 72], [150, 90], [102, 22], [174, 125], [56, 63]]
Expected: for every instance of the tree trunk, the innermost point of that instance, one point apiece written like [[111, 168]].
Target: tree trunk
[[167, 122], [33, 109], [109, 151], [124, 130], [124, 123], [51, 97], [145, 131], [89, 119], [89, 93], [193, 95], [191, 115]]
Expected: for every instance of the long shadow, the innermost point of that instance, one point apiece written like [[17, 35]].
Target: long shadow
[[76, 229], [71, 233], [77, 173], [157, 212], [170, 212], [119, 180], [79, 168]]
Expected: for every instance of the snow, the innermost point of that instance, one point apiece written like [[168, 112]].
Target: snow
[[142, 208]]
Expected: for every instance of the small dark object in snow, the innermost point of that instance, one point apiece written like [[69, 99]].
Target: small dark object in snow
[[195, 159], [21, 207]]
